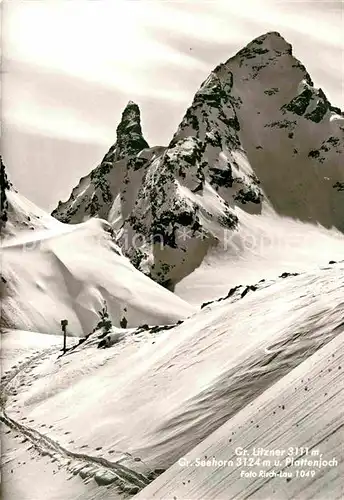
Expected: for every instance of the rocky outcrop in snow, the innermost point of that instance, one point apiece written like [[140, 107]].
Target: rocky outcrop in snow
[[4, 187], [18, 213]]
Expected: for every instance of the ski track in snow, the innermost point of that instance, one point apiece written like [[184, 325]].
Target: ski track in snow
[[274, 360], [103, 471]]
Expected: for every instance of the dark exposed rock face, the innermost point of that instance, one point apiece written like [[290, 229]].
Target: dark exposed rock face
[[339, 186], [130, 140], [302, 102], [5, 185]]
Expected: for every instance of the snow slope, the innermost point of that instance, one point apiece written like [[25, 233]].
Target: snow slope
[[263, 247], [68, 271], [302, 411], [26, 474], [20, 346], [180, 385], [23, 215]]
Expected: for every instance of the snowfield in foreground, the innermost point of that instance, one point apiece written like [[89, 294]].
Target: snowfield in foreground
[[181, 385], [301, 416], [67, 271]]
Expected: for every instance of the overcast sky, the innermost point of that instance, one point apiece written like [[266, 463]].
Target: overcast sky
[[70, 66]]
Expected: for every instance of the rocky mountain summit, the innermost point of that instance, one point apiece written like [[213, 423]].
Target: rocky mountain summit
[[293, 137], [257, 137], [96, 193]]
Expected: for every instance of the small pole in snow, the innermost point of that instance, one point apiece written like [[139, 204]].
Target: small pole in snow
[[64, 323]]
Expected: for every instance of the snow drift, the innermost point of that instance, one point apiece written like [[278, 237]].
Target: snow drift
[[301, 416], [68, 271], [184, 383]]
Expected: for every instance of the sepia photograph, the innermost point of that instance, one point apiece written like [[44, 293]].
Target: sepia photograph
[[172, 250]]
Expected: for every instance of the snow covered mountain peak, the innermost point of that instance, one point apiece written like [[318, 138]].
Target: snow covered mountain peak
[[270, 41], [210, 114], [292, 135], [257, 137]]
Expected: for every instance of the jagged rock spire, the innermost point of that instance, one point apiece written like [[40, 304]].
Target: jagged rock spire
[[130, 140], [97, 198]]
